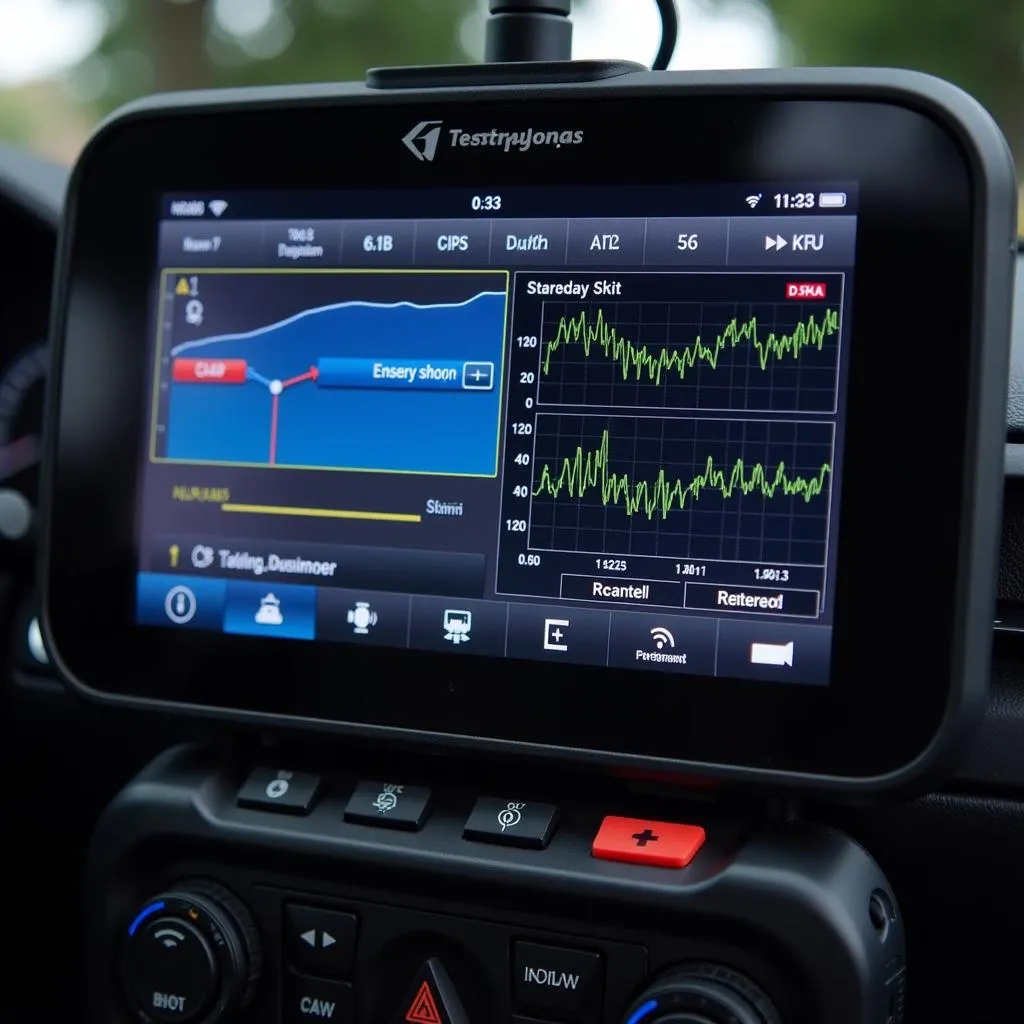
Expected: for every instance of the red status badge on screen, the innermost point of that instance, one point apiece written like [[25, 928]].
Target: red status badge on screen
[[806, 290], [209, 371]]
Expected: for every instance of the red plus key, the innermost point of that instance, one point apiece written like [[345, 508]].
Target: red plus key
[[661, 844]]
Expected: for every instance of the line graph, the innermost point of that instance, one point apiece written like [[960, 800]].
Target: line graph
[[729, 489], [589, 471], [391, 371], [644, 364], [331, 307], [754, 352]]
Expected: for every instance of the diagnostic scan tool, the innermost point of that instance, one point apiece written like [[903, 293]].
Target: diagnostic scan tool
[[572, 410], [628, 439]]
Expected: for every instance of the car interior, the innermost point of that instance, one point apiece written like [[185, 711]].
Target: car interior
[[656, 656]]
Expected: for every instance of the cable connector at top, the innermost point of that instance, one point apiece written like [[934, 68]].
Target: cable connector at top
[[528, 30]]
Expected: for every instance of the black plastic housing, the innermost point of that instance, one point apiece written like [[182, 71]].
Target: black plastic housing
[[910, 662], [790, 906]]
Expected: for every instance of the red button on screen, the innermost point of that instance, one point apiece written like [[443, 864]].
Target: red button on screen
[[659, 844], [209, 371]]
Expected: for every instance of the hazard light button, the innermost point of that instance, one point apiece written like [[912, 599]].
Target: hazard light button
[[432, 999]]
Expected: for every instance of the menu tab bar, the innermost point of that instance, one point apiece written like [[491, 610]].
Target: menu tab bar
[[650, 639], [666, 242]]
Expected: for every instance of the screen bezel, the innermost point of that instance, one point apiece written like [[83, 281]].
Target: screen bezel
[[919, 196]]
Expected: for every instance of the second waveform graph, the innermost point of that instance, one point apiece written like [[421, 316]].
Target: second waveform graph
[[734, 342], [724, 489]]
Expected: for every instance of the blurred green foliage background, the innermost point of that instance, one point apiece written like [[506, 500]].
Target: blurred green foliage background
[[149, 45]]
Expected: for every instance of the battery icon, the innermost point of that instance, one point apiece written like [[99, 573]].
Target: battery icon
[[832, 200]]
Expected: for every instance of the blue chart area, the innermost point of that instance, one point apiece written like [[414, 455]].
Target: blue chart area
[[400, 382]]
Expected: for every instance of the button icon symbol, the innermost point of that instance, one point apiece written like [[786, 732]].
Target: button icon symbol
[[269, 613], [433, 999], [554, 634], [276, 788], [361, 618], [457, 625], [180, 605], [387, 799], [424, 1007], [645, 837], [662, 637], [477, 376], [778, 242], [310, 938], [771, 654], [202, 556], [510, 816]]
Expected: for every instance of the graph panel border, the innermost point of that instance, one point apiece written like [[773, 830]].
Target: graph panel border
[[695, 419], [742, 413], [320, 271]]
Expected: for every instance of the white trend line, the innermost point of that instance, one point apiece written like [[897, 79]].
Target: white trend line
[[244, 335]]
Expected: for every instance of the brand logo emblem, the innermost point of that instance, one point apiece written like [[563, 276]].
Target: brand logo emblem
[[423, 139]]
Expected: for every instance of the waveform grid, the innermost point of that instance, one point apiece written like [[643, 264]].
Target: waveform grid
[[590, 471], [637, 360]]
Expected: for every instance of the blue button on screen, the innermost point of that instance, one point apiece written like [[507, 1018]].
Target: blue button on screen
[[186, 602], [262, 609]]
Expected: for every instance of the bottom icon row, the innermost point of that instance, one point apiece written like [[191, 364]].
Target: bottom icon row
[[693, 645]]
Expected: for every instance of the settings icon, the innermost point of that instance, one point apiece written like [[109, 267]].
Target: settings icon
[[202, 556]]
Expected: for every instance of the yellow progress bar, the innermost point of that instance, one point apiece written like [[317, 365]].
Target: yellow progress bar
[[324, 513]]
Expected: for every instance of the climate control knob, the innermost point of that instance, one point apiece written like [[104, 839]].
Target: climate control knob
[[192, 954], [702, 993]]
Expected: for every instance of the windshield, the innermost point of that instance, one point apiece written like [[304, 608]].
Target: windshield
[[64, 64]]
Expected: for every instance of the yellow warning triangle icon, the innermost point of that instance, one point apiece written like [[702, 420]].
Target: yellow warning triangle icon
[[182, 287]]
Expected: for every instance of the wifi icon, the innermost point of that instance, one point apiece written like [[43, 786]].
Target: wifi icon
[[217, 206], [751, 201], [169, 938], [662, 637]]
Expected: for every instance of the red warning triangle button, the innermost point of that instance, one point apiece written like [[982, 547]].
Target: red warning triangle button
[[432, 998], [424, 1007]]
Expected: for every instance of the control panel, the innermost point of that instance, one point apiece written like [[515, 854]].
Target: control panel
[[282, 895], [191, 953]]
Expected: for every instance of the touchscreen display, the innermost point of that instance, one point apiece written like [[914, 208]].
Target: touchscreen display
[[597, 426]]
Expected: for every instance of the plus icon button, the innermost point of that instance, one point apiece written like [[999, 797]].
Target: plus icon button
[[662, 844], [645, 837]]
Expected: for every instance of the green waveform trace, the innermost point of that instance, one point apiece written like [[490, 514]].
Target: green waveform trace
[[639, 360], [590, 471]]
